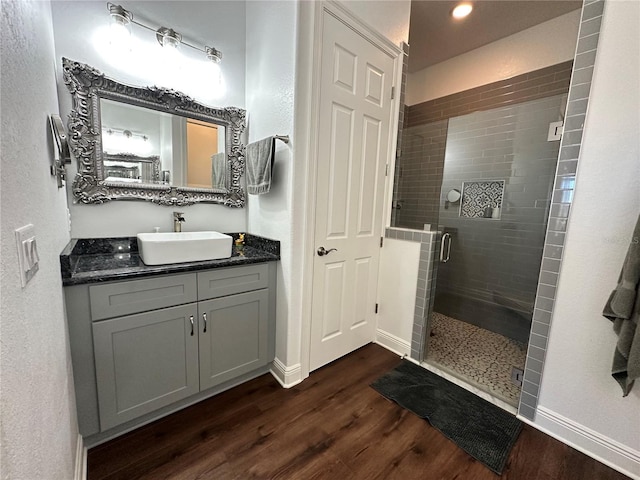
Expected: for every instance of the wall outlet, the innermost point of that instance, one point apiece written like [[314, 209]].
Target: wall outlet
[[27, 253]]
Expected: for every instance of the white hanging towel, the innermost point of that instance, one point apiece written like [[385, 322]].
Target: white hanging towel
[[259, 165]]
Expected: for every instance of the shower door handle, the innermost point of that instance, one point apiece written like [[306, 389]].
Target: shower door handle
[[445, 243]]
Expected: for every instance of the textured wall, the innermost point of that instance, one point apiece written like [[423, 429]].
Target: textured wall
[[270, 92], [39, 430], [221, 24]]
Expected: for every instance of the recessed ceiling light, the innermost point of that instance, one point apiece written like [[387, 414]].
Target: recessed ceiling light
[[462, 10]]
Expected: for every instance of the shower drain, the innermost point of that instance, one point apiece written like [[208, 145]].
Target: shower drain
[[516, 376]]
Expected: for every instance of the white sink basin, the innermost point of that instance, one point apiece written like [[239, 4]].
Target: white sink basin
[[164, 248]]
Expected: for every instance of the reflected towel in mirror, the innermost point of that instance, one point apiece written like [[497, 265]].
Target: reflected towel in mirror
[[259, 165], [218, 165]]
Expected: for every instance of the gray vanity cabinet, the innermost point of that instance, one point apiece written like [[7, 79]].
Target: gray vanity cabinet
[[144, 348], [235, 340], [144, 362]]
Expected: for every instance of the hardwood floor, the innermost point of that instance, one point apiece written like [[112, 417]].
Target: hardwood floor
[[332, 425]]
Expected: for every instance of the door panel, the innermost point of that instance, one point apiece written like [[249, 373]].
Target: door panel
[[332, 307], [144, 362], [368, 177], [235, 340], [339, 170], [354, 127], [344, 70]]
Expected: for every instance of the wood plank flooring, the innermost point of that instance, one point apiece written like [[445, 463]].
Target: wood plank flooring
[[331, 426]]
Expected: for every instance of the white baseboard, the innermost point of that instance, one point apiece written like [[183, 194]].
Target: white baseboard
[[606, 450], [81, 460], [393, 343], [287, 376]]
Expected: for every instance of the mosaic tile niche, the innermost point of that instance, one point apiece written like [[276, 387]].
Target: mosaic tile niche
[[482, 199]]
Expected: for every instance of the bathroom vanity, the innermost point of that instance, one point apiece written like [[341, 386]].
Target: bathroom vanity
[[149, 340]]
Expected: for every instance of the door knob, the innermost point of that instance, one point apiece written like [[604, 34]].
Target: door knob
[[322, 252]]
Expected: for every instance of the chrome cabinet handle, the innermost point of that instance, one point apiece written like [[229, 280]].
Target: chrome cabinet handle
[[204, 319], [446, 239], [322, 252], [191, 320]]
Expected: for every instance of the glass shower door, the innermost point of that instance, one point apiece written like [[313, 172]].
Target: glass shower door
[[502, 163]]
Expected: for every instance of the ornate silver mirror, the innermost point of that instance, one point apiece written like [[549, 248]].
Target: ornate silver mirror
[[151, 143]]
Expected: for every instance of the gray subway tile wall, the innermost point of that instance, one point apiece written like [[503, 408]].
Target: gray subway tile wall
[[402, 119], [541, 83], [494, 263], [565, 176], [419, 175]]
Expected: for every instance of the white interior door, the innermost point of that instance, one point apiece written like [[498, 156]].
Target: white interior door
[[354, 122]]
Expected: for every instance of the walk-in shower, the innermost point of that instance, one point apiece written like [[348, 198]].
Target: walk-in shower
[[484, 181]]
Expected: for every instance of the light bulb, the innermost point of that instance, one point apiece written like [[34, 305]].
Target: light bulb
[[120, 28], [462, 10]]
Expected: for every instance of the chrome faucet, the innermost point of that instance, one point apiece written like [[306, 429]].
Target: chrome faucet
[[178, 218]]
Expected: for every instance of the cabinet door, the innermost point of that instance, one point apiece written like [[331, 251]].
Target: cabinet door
[[234, 340], [145, 362]]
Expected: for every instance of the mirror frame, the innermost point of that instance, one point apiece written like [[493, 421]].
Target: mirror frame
[[153, 160], [87, 86]]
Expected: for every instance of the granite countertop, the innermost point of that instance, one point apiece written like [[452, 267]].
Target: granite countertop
[[97, 260]]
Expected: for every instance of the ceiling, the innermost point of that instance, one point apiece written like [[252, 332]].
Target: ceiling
[[434, 36]]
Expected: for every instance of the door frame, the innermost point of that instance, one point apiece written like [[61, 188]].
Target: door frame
[[311, 149]]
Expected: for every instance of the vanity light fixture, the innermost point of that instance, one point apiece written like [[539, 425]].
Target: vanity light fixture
[[117, 140], [168, 37], [122, 19], [126, 133], [461, 10]]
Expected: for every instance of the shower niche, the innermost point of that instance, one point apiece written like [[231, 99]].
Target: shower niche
[[482, 199]]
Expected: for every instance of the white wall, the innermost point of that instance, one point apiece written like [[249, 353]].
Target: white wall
[[270, 71], [38, 428], [388, 17], [397, 280], [77, 27], [543, 45], [577, 382]]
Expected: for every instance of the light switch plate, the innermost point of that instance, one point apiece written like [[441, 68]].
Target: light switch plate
[[27, 253]]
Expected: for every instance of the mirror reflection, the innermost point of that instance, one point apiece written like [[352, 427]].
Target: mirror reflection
[[141, 145]]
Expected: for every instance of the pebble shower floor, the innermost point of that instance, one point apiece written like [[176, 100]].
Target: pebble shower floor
[[479, 356]]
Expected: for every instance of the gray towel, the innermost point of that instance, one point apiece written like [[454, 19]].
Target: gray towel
[[623, 309], [259, 165], [218, 171]]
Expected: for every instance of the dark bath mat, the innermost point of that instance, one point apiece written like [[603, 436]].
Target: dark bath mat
[[481, 429]]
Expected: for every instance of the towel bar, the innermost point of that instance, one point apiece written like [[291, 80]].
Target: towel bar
[[284, 138]]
